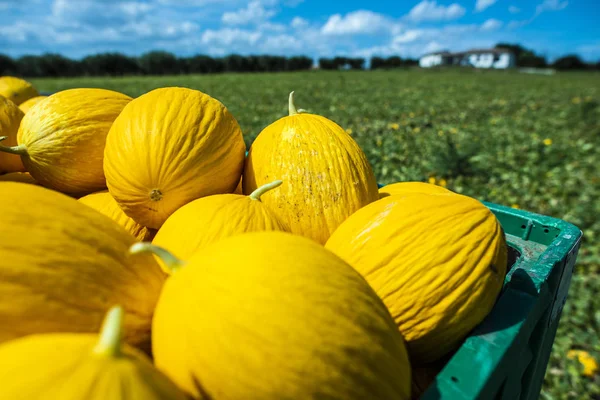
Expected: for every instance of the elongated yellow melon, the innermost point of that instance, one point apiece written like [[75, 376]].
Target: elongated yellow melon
[[280, 307], [326, 175], [63, 264], [213, 218], [168, 147], [10, 119], [23, 177], [77, 366], [106, 204], [16, 89], [438, 261], [61, 140]]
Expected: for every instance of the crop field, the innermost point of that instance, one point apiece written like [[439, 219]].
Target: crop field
[[526, 141]]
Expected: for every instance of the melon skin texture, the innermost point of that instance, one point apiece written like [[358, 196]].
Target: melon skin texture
[[326, 175], [438, 261], [61, 140], [213, 218], [26, 105], [76, 366], [168, 147], [10, 119], [64, 264], [404, 188], [16, 89], [107, 205], [276, 315]]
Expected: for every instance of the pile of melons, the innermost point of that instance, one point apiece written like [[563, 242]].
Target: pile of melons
[[145, 253]]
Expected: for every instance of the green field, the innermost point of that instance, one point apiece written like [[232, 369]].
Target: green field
[[525, 141]]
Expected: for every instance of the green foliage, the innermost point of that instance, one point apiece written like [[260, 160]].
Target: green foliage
[[520, 140]]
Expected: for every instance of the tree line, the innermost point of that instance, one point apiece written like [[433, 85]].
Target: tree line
[[165, 63]]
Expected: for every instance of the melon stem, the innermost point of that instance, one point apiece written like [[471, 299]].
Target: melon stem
[[255, 195], [291, 106], [18, 150], [173, 263], [111, 333]]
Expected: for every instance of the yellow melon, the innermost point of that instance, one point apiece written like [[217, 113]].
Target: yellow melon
[[213, 218], [16, 89], [402, 188], [61, 140], [63, 264], [23, 177], [26, 105], [280, 307], [326, 175], [438, 261], [76, 366], [168, 147]]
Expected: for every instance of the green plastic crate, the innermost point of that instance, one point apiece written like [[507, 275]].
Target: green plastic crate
[[506, 356]]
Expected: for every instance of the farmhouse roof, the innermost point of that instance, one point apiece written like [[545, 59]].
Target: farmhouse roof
[[471, 51]]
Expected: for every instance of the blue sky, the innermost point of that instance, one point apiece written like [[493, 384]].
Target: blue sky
[[316, 28]]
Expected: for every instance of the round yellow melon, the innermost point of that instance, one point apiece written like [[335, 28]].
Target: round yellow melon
[[61, 140], [76, 366], [26, 105], [10, 119], [403, 188], [326, 175], [16, 89], [168, 147], [23, 177], [277, 316], [438, 261], [63, 264], [212, 218], [106, 204]]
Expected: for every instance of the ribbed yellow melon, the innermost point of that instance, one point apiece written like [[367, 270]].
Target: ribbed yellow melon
[[26, 105], [402, 188], [213, 218], [61, 140], [106, 204], [168, 147], [438, 261], [77, 366], [63, 264], [10, 119], [271, 315], [16, 89], [326, 175]]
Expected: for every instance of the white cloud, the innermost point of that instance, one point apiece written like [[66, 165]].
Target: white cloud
[[408, 36], [299, 22], [430, 11], [483, 4], [491, 25], [357, 22], [271, 26], [551, 5], [514, 10], [229, 36], [281, 43], [254, 12]]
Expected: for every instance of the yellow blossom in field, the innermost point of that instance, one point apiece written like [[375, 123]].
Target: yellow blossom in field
[[395, 126], [378, 142], [590, 366], [432, 180], [453, 130], [576, 100], [411, 114], [417, 130], [442, 183], [349, 131], [515, 205], [547, 142], [440, 133]]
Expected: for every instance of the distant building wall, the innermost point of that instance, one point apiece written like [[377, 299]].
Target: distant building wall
[[477, 59], [430, 60]]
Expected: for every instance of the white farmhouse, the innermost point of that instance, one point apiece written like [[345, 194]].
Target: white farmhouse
[[478, 58]]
